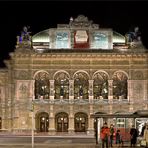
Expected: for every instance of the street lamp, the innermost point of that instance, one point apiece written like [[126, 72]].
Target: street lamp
[[32, 130]]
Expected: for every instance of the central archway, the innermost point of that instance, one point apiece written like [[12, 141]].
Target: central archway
[[81, 122], [62, 122]]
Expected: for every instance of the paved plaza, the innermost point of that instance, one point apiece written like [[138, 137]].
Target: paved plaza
[[7, 141]]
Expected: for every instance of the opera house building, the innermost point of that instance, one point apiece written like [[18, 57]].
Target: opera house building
[[67, 73]]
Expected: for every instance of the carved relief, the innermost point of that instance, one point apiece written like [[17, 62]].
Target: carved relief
[[23, 90], [138, 91], [137, 75], [22, 75], [82, 22]]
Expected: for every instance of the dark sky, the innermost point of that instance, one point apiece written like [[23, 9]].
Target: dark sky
[[41, 15]]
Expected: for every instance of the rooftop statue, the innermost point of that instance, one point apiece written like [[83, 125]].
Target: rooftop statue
[[24, 40], [25, 34], [133, 38]]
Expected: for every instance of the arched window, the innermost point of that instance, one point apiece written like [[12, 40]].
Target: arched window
[[100, 86], [61, 85], [81, 86], [42, 86], [119, 85]]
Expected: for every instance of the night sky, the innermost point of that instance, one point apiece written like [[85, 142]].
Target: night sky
[[41, 15]]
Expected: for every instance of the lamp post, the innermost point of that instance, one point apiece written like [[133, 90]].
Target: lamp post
[[32, 130]]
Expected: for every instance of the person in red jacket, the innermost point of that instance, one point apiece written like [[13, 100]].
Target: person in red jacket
[[104, 135]]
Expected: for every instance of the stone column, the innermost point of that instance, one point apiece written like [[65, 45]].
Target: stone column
[[71, 90], [51, 128], [90, 130], [52, 89], [91, 90], [145, 89], [31, 90], [71, 121], [110, 90], [129, 96]]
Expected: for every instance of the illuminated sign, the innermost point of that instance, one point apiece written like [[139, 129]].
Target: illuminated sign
[[62, 40], [81, 36], [100, 40], [81, 39]]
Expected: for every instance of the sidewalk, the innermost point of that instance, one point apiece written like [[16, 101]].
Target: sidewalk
[[58, 141], [49, 146]]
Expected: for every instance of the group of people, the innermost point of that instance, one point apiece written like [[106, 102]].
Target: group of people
[[107, 136]]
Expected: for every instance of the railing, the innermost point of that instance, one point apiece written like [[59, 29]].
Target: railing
[[81, 101]]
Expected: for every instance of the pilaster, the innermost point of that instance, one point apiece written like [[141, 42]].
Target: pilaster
[[90, 130], [51, 128], [91, 90], [110, 90], [71, 89], [52, 89], [71, 121]]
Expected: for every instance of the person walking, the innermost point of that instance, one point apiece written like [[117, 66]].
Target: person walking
[[134, 135], [146, 135], [104, 135], [143, 128], [118, 138], [111, 135]]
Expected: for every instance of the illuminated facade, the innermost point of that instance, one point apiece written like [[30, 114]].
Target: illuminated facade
[[69, 73]]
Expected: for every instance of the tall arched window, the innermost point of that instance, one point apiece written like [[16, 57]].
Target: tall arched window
[[119, 85], [42, 86], [100, 86], [81, 86], [61, 85]]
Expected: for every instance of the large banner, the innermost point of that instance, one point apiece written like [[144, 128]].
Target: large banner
[[62, 40], [100, 41], [81, 39]]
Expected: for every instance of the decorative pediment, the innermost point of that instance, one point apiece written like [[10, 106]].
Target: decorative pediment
[[81, 18], [82, 22]]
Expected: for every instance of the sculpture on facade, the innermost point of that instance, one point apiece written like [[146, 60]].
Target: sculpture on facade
[[133, 37], [25, 34], [25, 38]]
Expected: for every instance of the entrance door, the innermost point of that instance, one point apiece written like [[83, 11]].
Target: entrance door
[[81, 122], [42, 122], [62, 122]]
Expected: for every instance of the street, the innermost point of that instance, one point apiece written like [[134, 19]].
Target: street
[[46, 142]]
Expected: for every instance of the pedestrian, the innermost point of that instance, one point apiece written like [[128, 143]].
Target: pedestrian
[[134, 135], [118, 138], [143, 128], [111, 135], [104, 135], [146, 135]]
